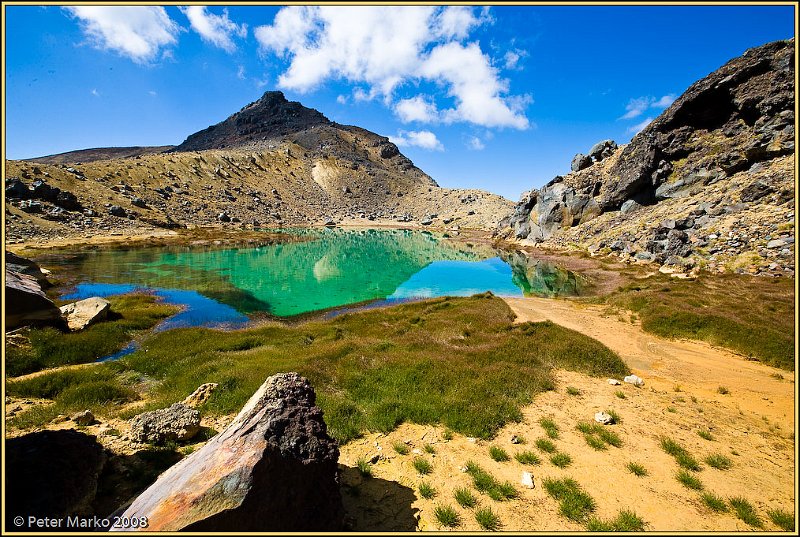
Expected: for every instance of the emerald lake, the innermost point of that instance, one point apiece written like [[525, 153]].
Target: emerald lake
[[323, 269]]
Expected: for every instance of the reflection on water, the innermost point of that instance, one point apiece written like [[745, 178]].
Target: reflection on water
[[329, 269]]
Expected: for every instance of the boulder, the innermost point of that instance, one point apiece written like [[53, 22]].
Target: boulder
[[26, 303], [200, 395], [26, 266], [602, 150], [82, 313], [83, 418], [68, 201], [388, 150], [116, 210], [274, 468], [16, 189], [51, 474], [629, 206], [176, 423], [580, 162], [139, 202], [614, 382], [755, 191]]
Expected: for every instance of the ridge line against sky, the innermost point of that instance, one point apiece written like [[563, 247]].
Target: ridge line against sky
[[498, 98]]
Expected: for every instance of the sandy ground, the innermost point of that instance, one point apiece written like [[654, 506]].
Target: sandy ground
[[753, 426]]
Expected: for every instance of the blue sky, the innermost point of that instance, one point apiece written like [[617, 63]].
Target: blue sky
[[498, 98]]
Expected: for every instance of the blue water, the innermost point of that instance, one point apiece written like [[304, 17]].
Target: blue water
[[197, 310], [459, 278]]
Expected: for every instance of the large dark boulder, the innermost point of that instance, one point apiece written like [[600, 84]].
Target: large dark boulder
[[51, 474], [26, 303], [274, 468]]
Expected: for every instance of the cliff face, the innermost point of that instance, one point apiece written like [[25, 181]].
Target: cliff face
[[723, 147]]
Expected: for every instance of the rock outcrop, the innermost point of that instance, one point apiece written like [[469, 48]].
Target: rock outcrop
[[728, 138], [274, 468], [26, 302], [176, 423], [51, 474], [82, 313]]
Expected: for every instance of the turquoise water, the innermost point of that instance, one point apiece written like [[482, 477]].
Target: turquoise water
[[328, 269]]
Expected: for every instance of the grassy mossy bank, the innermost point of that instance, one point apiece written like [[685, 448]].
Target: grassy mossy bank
[[751, 315], [456, 361], [50, 347]]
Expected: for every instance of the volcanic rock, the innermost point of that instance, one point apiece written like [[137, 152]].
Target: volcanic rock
[[274, 468]]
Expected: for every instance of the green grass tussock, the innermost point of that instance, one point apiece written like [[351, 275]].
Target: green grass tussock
[[625, 521], [50, 347], [681, 455], [486, 483], [550, 427], [546, 445], [487, 519], [783, 519], [637, 469], [749, 314], [719, 461], [498, 454], [574, 503], [465, 498], [689, 480], [447, 516], [426, 490], [527, 457], [745, 511], [714, 502]]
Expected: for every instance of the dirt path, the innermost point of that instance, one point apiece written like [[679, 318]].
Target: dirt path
[[694, 366]]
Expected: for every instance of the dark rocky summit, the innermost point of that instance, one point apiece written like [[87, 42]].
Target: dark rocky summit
[[274, 468], [51, 474], [269, 117], [737, 121]]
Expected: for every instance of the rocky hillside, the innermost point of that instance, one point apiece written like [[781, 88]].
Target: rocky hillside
[[709, 183], [273, 163]]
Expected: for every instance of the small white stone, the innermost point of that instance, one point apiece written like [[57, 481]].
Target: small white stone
[[614, 382], [602, 417], [471, 439], [416, 451], [527, 480], [633, 379]]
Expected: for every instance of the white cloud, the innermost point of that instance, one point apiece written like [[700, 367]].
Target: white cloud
[[475, 143], [416, 109], [512, 58], [137, 32], [341, 99], [664, 101], [636, 107], [240, 73], [152, 93], [636, 129], [218, 30], [423, 139], [384, 48], [95, 92]]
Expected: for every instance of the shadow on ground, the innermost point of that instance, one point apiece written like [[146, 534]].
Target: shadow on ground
[[374, 504]]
